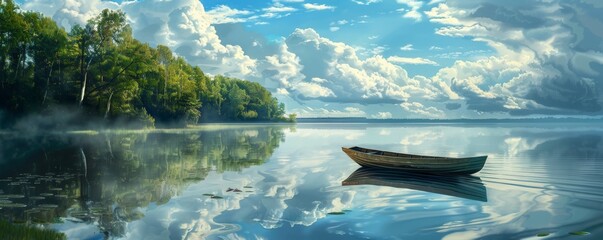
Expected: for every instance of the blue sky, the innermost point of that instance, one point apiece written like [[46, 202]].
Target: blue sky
[[384, 58], [377, 27]]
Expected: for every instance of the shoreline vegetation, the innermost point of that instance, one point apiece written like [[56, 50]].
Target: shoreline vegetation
[[9, 231], [98, 75]]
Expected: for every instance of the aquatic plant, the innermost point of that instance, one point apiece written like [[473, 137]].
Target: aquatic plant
[[579, 233]]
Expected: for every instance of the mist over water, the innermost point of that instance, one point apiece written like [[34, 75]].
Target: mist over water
[[179, 184]]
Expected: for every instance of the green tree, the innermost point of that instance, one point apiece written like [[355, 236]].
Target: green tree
[[48, 40], [109, 76]]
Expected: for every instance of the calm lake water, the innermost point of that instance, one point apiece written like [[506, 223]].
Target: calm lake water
[[286, 183]]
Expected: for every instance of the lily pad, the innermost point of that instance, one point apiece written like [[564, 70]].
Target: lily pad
[[75, 220], [579, 233], [12, 196], [33, 210], [79, 214], [97, 209], [48, 206], [12, 205], [216, 197], [542, 234], [336, 213]]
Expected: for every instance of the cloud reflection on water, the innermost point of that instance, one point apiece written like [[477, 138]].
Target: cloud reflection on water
[[538, 178]]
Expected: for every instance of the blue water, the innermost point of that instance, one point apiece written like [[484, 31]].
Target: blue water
[[539, 178]]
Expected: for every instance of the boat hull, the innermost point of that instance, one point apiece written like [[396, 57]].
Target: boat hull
[[415, 163]]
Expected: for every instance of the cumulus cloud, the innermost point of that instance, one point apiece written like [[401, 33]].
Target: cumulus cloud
[[330, 112], [413, 12], [407, 60], [282, 91], [547, 57], [365, 2], [68, 13], [317, 7], [283, 70], [313, 90], [278, 8], [352, 79], [224, 14], [407, 47], [418, 108], [182, 25], [382, 115]]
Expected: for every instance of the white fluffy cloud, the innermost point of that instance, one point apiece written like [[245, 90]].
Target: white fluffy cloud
[[366, 2], [317, 7], [382, 115], [413, 12], [182, 25], [407, 60], [547, 58], [281, 70], [330, 112], [407, 47], [67, 13], [313, 90], [418, 108], [224, 14], [352, 79], [279, 8]]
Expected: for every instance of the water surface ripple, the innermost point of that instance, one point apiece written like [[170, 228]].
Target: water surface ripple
[[279, 182]]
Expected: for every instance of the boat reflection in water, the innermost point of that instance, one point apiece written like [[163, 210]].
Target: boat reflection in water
[[468, 187]]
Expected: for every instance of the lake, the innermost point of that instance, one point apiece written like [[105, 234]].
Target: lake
[[285, 182]]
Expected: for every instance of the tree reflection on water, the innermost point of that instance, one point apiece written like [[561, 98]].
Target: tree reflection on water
[[107, 178]]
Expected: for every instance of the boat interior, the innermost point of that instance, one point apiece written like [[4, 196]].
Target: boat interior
[[385, 153]]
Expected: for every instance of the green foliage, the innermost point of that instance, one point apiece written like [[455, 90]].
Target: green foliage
[[17, 232], [292, 117], [231, 99], [102, 70]]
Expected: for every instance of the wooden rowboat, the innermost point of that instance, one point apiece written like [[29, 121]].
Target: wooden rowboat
[[415, 163], [466, 186]]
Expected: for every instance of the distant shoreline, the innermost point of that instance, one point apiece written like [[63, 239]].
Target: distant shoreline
[[461, 120]]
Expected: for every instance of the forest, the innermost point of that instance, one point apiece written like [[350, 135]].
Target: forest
[[100, 73]]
